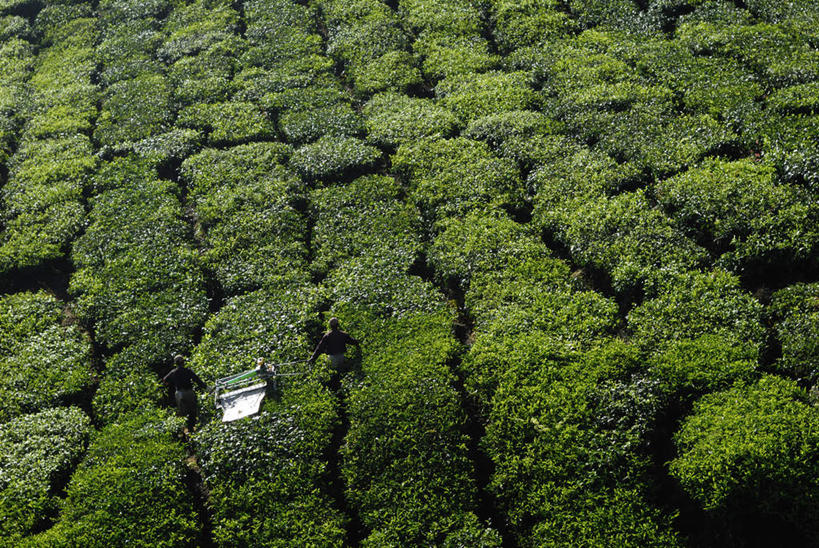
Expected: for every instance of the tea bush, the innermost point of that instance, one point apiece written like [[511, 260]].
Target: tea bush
[[794, 311], [481, 242], [450, 37], [136, 279], [566, 433], [43, 364], [37, 453], [42, 200], [367, 38], [633, 242], [472, 96], [334, 157], [500, 129], [749, 453], [245, 200], [453, 176], [380, 284], [692, 304], [393, 119], [523, 24], [274, 495], [364, 217], [741, 207], [304, 126], [691, 367], [128, 382], [228, 123], [272, 324], [129, 488], [194, 29], [405, 461], [526, 309], [134, 109], [780, 57]]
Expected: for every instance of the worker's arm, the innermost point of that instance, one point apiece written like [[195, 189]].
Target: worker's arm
[[167, 378], [199, 382], [319, 349], [353, 341]]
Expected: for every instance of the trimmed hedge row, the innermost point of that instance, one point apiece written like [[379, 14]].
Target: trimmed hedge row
[[405, 460], [365, 217], [548, 383], [16, 58], [42, 362], [453, 176], [37, 452], [366, 36], [449, 37], [129, 488], [275, 494], [747, 456], [795, 314], [245, 200], [739, 207], [137, 280], [43, 199]]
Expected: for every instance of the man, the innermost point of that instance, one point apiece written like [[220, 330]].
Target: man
[[182, 379], [334, 343]]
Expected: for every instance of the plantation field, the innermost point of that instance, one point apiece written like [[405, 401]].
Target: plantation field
[[578, 241]]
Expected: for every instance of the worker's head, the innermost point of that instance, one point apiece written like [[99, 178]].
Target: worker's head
[[179, 360], [334, 323]]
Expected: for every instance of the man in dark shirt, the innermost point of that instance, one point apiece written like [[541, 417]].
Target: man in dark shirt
[[334, 343], [182, 379]]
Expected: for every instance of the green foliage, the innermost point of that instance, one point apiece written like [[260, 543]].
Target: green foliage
[[798, 99], [229, 122], [499, 129], [795, 312], [43, 212], [334, 157], [472, 96], [689, 368], [128, 489], [446, 56], [523, 24], [563, 429], [380, 284], [751, 453], [14, 26], [633, 242], [481, 242], [528, 308], [37, 452], [393, 71], [780, 57], [195, 28], [42, 364], [303, 126], [133, 110], [245, 200], [405, 460], [364, 217], [393, 119], [453, 176], [128, 382], [689, 305], [569, 175], [272, 495], [740, 206], [136, 278]]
